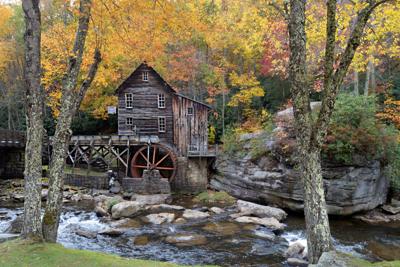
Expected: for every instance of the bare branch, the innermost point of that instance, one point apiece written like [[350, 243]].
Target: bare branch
[[89, 79], [283, 11]]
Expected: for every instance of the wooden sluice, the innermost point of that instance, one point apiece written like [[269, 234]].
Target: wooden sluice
[[90, 148]]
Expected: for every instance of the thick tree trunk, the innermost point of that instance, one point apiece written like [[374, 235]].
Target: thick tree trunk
[[317, 223], [70, 102], [34, 135], [310, 136]]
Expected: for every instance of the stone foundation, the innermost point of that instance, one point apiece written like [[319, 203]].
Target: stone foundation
[[86, 181], [12, 161], [151, 183], [192, 175]]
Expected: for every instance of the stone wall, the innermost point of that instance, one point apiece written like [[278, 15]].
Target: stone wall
[[97, 182], [151, 183], [12, 161], [192, 176]]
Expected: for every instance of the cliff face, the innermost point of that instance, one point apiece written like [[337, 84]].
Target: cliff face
[[273, 179]]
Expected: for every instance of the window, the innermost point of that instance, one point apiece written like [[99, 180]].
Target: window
[[128, 100], [161, 124], [129, 121], [190, 111], [161, 101], [145, 76]]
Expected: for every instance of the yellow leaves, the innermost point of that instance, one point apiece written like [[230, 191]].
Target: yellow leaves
[[5, 16], [249, 87]]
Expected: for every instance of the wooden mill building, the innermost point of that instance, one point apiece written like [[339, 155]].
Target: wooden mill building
[[148, 105]]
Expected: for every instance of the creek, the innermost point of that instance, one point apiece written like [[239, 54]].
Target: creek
[[227, 243]]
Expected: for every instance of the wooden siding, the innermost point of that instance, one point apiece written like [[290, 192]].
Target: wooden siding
[[183, 131], [190, 131], [145, 111]]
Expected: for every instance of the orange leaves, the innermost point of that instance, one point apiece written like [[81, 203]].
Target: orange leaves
[[391, 112]]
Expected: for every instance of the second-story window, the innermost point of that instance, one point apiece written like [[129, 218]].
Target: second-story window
[[129, 100], [145, 76], [190, 111], [161, 101]]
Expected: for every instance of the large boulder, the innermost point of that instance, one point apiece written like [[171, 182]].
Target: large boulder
[[16, 225], [195, 214], [186, 240], [260, 210], [296, 250], [126, 209], [160, 218], [270, 180], [152, 199], [271, 223]]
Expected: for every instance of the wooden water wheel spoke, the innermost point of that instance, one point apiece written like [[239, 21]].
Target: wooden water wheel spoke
[[144, 157], [165, 168], [161, 160], [154, 154], [157, 155], [140, 166]]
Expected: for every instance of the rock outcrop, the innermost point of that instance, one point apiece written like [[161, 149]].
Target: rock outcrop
[[272, 178]]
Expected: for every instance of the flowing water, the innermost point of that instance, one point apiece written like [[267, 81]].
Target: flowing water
[[228, 243]]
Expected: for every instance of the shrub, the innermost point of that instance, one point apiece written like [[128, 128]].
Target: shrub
[[231, 140], [354, 131]]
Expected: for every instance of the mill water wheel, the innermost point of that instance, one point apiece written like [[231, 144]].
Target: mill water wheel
[[154, 157]]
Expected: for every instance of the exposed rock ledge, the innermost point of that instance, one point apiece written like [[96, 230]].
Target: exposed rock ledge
[[348, 189]]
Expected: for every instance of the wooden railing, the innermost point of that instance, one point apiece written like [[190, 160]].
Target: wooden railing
[[202, 151]]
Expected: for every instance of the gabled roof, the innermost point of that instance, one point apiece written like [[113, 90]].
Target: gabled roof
[[169, 87], [151, 69]]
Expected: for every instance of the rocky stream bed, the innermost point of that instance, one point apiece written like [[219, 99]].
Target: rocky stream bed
[[186, 232]]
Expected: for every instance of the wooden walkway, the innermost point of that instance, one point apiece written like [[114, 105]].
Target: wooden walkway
[[10, 138]]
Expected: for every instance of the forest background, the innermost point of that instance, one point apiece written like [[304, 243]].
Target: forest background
[[231, 54]]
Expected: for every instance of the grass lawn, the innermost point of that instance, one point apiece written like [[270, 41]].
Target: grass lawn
[[21, 253]]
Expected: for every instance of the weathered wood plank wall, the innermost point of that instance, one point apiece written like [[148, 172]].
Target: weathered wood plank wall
[[145, 111]]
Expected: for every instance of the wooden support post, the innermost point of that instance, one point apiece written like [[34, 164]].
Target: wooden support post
[[127, 159]]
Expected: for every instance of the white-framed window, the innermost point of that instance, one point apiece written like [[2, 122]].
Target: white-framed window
[[145, 76], [161, 101], [129, 121], [190, 111], [162, 124], [128, 100]]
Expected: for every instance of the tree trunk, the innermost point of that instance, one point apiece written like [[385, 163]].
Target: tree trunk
[[356, 83], [373, 78], [34, 117], [317, 223], [309, 135], [63, 129], [70, 102], [367, 79]]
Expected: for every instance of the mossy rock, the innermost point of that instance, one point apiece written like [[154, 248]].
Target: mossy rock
[[334, 258], [212, 198]]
